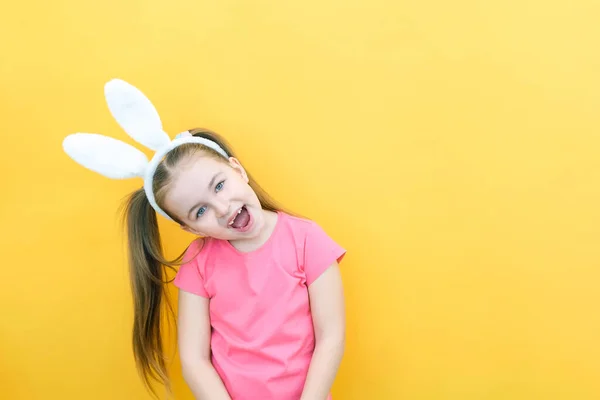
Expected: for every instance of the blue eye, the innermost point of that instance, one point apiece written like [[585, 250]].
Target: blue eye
[[201, 211], [219, 186]]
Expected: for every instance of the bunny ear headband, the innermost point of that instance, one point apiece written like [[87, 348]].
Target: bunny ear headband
[[139, 119]]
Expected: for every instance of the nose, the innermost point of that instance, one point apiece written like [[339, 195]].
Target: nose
[[222, 209]]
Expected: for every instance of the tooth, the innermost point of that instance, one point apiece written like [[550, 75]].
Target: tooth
[[238, 213]]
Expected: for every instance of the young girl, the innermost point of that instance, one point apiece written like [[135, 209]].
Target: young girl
[[260, 313]]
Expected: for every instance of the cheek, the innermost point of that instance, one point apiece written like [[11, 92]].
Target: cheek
[[207, 228], [249, 193], [239, 186]]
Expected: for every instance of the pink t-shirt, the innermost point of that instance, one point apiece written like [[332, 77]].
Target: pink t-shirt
[[262, 332]]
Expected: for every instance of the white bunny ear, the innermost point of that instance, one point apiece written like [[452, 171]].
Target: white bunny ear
[[135, 114], [106, 156]]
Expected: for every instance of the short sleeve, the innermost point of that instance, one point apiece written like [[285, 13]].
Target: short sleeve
[[188, 277], [320, 251]]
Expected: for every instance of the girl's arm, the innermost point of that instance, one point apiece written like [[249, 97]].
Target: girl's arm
[[194, 348], [327, 305]]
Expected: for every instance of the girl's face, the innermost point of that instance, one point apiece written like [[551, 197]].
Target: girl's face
[[212, 198]]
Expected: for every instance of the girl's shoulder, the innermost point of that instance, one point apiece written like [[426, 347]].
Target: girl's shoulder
[[196, 250], [297, 223], [317, 249], [305, 230]]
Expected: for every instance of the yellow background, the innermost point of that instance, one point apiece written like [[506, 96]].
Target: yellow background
[[451, 146]]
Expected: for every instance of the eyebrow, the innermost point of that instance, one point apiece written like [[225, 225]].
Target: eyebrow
[[210, 185], [212, 181]]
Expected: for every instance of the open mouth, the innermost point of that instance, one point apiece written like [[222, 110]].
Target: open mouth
[[241, 220]]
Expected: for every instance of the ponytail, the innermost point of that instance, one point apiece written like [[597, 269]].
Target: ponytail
[[147, 272]]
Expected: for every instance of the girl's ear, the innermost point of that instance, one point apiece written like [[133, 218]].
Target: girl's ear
[[237, 166]]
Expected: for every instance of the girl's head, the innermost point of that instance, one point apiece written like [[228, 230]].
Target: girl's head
[[203, 192], [208, 194]]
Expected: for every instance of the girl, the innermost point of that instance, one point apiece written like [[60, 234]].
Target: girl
[[260, 311]]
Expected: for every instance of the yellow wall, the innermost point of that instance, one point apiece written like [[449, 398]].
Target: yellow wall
[[452, 147]]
